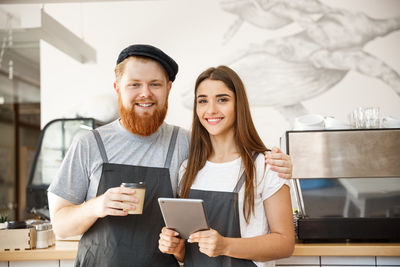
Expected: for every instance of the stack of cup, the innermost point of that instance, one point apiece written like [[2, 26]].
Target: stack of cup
[[365, 117], [372, 117]]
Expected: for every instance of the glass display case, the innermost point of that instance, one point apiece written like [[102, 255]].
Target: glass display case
[[55, 139], [346, 184]]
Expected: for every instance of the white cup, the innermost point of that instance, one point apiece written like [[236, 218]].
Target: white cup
[[390, 122], [332, 123], [309, 122]]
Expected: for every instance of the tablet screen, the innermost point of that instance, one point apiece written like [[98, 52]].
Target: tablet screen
[[183, 215]]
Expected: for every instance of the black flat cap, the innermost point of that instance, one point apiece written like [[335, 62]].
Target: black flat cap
[[154, 53]]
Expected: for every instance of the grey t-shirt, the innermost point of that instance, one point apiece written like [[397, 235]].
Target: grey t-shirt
[[79, 175]]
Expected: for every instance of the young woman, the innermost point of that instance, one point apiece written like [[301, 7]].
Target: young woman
[[248, 206]]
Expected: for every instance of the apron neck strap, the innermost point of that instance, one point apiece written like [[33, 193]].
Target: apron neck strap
[[100, 145], [242, 178], [169, 153], [171, 147]]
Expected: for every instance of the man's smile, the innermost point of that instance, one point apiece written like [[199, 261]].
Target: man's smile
[[145, 105]]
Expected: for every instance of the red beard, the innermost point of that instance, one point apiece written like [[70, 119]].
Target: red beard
[[141, 125]]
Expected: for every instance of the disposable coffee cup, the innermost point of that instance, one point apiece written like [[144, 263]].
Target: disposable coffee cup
[[140, 189]]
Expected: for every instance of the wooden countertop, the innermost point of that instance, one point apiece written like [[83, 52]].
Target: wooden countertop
[[347, 249], [66, 250], [63, 250]]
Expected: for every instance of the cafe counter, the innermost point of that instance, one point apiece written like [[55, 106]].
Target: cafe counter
[[66, 251]]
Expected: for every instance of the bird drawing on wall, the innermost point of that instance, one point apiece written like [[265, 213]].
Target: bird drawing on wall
[[301, 66], [271, 14]]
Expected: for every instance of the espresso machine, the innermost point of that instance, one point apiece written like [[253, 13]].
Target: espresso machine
[[346, 184]]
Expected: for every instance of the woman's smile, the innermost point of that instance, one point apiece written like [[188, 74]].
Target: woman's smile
[[214, 120]]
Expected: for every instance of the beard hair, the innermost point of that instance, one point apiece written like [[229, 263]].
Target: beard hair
[[143, 125]]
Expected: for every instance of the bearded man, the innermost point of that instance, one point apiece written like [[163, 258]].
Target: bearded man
[[86, 196]]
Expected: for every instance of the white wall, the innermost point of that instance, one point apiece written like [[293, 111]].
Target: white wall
[[192, 33]]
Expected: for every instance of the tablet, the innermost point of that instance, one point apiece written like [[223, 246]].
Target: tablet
[[183, 215]]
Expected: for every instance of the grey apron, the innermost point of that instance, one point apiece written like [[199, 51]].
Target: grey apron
[[223, 216], [130, 240]]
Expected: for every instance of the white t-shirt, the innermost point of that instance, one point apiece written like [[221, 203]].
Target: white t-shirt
[[224, 177]]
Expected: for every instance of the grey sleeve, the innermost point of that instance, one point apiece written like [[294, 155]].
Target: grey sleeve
[[72, 180]]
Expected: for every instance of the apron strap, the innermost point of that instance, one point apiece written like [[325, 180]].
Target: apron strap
[[171, 147], [242, 178], [100, 145]]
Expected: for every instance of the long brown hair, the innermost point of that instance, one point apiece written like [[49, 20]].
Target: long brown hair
[[246, 137]]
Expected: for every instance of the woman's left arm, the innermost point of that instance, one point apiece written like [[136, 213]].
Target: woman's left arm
[[279, 243], [280, 162]]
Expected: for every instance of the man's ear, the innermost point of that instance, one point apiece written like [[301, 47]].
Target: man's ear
[[116, 87], [169, 86]]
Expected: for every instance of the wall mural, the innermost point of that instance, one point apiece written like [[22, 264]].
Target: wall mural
[[297, 67]]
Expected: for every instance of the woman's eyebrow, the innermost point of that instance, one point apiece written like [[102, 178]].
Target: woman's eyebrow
[[219, 95], [201, 96]]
